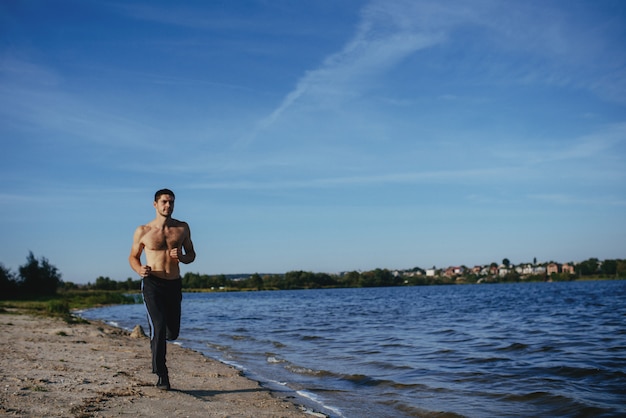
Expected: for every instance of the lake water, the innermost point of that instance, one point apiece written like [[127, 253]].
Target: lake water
[[506, 350]]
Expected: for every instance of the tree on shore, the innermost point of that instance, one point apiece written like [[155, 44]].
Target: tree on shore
[[38, 277], [589, 267], [8, 285], [257, 281]]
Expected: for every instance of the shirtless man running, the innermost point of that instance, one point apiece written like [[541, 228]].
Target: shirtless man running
[[166, 242]]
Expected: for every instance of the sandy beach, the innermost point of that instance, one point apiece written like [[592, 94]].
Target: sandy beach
[[49, 368]]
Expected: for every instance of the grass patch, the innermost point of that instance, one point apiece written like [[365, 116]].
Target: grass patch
[[92, 299], [58, 307], [62, 304]]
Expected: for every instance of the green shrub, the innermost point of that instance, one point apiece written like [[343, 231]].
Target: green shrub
[[58, 307]]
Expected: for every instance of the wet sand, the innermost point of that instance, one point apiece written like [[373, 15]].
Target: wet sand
[[54, 369]]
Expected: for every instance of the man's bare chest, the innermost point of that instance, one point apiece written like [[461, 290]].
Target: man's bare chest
[[163, 238]]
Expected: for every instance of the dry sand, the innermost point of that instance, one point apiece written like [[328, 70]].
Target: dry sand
[[49, 368]]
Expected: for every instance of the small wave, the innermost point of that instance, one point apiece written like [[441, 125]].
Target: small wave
[[448, 331], [354, 379], [303, 370], [217, 347], [386, 365], [400, 346], [233, 364], [419, 412], [364, 380], [274, 360], [545, 349], [357, 379], [311, 338], [276, 382], [560, 405], [250, 318], [485, 360], [557, 405], [532, 396], [615, 349], [240, 337], [367, 352], [575, 372], [313, 397], [514, 347]]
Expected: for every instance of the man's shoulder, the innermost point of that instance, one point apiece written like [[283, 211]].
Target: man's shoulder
[[142, 229], [179, 224]]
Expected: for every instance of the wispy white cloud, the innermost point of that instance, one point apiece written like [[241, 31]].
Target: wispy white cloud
[[602, 143], [555, 45], [12, 198], [606, 143], [570, 199], [42, 104], [460, 176], [177, 16], [553, 52], [213, 17], [384, 37], [17, 70]]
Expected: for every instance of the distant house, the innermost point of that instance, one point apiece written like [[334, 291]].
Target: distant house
[[430, 273], [453, 271], [527, 269], [567, 268], [552, 268]]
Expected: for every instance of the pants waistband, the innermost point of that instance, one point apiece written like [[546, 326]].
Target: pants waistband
[[159, 279]]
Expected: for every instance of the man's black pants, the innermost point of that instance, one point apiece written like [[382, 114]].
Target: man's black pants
[[162, 299]]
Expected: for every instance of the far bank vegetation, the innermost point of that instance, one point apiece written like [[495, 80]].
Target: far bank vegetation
[[40, 281]]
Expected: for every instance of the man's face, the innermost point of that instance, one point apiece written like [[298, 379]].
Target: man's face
[[165, 205]]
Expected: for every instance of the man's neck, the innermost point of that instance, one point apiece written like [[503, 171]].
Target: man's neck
[[162, 221]]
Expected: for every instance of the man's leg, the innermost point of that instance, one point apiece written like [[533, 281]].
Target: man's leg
[[154, 296], [174, 309]]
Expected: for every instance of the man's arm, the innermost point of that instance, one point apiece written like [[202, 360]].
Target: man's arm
[[190, 253], [135, 254]]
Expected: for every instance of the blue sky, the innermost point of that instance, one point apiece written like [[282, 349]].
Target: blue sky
[[314, 135]]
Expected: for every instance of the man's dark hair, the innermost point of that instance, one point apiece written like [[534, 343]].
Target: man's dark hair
[[161, 192]]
